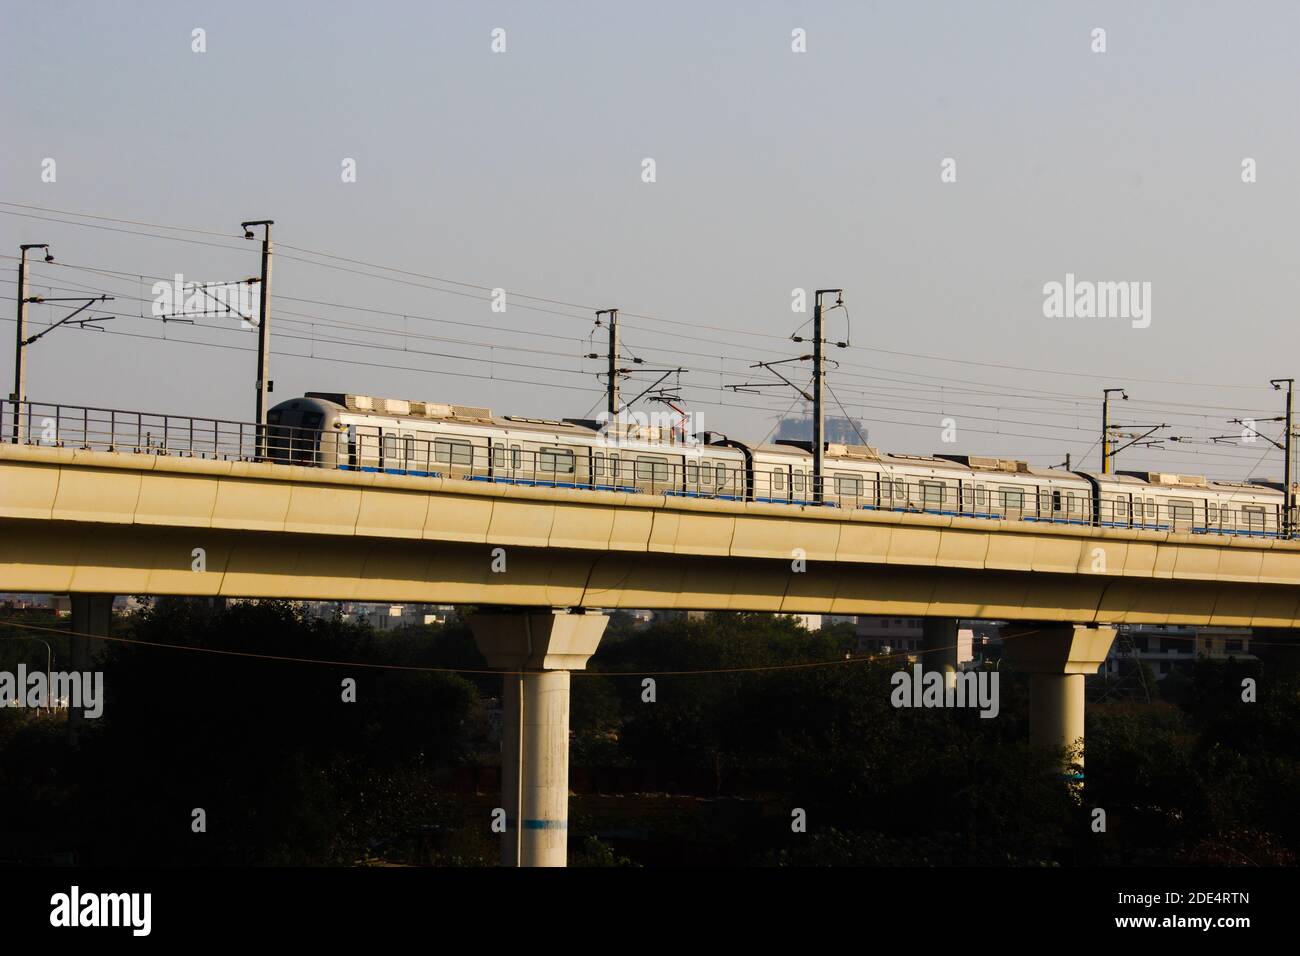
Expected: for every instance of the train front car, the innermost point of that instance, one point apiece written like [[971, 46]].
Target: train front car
[[304, 431]]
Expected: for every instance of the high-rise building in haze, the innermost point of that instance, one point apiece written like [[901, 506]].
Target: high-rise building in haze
[[838, 429]]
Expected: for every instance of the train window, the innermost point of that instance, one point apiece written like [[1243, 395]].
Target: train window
[[1056, 501], [1011, 499], [558, 460], [900, 491], [651, 469], [692, 474], [598, 464], [1225, 515], [1121, 509], [1071, 503], [516, 457], [848, 487], [613, 465], [706, 473], [981, 497], [448, 452], [1181, 512], [720, 474], [1253, 516], [408, 448], [1213, 513], [932, 494], [498, 456], [390, 447], [778, 480], [796, 480]]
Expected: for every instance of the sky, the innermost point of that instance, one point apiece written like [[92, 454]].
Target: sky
[[773, 170]]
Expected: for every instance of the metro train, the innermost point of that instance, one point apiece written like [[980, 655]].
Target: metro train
[[358, 432]]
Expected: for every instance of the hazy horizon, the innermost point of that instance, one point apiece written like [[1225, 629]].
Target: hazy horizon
[[774, 170]]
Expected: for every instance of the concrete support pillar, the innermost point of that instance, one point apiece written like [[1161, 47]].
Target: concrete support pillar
[[939, 647], [1057, 657], [91, 614], [537, 649]]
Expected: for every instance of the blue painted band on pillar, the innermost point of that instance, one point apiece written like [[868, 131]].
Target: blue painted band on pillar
[[546, 824]]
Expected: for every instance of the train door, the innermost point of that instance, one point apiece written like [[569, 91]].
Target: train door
[[388, 454], [847, 490], [1182, 514], [870, 490], [781, 483], [585, 464], [798, 484], [351, 439], [1122, 510], [724, 482], [413, 457], [692, 477]]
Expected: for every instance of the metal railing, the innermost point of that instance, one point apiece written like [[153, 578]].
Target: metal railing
[[615, 468], [110, 429]]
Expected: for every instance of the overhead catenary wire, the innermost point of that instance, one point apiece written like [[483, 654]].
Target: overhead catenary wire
[[878, 385], [551, 384], [586, 307]]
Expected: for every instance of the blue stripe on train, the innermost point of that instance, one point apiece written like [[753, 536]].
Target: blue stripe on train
[[531, 482]]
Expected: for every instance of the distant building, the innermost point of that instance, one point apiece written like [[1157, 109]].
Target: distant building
[[60, 605], [906, 635], [1168, 648], [888, 635], [811, 622], [382, 617], [838, 429]]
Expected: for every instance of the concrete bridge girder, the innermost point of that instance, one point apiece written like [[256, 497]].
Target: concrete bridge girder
[[75, 520]]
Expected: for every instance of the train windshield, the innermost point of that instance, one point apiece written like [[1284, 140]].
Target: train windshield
[[292, 436]]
